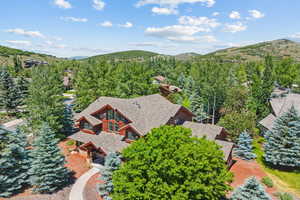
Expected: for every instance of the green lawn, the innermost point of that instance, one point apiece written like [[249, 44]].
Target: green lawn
[[291, 179]]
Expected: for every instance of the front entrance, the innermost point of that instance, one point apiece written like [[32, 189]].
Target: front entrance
[[98, 158]]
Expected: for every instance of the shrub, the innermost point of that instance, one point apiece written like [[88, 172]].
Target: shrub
[[284, 196], [70, 142], [267, 181]]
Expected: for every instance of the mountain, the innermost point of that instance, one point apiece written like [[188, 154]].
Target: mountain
[[7, 54], [127, 55], [277, 48], [77, 57], [186, 56]]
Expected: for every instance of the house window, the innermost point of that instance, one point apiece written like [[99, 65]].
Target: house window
[[110, 126], [110, 114], [130, 135], [86, 125], [116, 126]]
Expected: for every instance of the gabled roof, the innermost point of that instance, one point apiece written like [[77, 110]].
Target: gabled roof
[[108, 142], [281, 105], [145, 112], [210, 132], [268, 122], [201, 130]]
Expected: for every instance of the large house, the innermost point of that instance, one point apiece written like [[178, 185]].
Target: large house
[[111, 124], [280, 103]]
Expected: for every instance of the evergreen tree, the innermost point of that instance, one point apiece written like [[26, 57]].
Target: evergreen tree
[[252, 189], [45, 101], [68, 122], [282, 148], [22, 87], [244, 147], [9, 95], [14, 165], [112, 163], [197, 107], [47, 170], [3, 137], [17, 64]]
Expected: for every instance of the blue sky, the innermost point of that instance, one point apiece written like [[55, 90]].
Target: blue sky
[[88, 27]]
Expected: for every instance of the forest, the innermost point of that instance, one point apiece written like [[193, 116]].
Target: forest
[[232, 95]]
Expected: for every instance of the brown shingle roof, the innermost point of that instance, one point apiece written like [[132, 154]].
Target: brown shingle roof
[[201, 130], [145, 112], [211, 132], [281, 105], [268, 122], [108, 142]]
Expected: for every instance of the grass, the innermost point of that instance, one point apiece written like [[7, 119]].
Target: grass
[[291, 179]]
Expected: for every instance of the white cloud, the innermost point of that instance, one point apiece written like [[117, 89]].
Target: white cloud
[[209, 38], [178, 33], [235, 15], [63, 4], [203, 22], [52, 45], [256, 14], [215, 14], [19, 42], [23, 32], [126, 25], [106, 24], [164, 11], [145, 44], [233, 28], [98, 4], [74, 19], [296, 36], [174, 3]]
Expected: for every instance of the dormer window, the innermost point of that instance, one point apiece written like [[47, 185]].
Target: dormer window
[[86, 125], [130, 135]]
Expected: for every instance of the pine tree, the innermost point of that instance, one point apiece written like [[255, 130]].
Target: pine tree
[[14, 165], [197, 107], [48, 171], [17, 64], [9, 95], [244, 147], [282, 148], [252, 189], [112, 163], [3, 137], [45, 101], [68, 122], [22, 87]]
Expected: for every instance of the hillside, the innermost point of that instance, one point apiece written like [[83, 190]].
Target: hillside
[[127, 55], [7, 54], [277, 48], [186, 56]]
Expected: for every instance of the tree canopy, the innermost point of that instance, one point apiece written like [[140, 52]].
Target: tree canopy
[[170, 164]]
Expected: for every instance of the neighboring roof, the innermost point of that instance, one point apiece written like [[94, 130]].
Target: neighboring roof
[[226, 147], [145, 112], [201, 130], [108, 142], [211, 132], [268, 122], [12, 125], [281, 105], [160, 78]]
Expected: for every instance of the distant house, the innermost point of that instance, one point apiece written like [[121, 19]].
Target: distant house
[[111, 124], [165, 88], [33, 63], [280, 104]]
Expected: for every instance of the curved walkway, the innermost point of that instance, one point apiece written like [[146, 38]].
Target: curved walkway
[[78, 188]]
